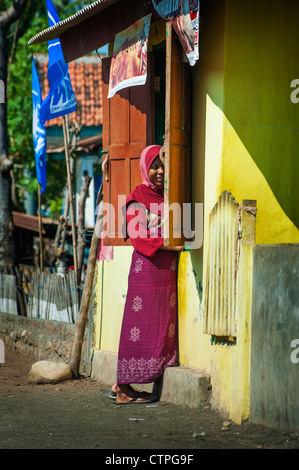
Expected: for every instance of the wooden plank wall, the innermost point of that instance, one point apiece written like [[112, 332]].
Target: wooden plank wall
[[220, 302]]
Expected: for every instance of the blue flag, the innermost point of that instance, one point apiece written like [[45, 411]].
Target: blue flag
[[38, 131], [61, 99]]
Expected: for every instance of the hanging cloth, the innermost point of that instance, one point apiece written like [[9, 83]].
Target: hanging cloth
[[129, 59]]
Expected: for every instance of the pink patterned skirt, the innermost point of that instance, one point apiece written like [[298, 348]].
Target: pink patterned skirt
[[148, 341]]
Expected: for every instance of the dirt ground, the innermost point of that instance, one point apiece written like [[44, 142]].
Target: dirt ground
[[78, 414]]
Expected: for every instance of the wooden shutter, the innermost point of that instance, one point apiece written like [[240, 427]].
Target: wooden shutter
[[177, 138], [127, 130]]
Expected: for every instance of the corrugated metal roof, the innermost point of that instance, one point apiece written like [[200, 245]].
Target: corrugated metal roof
[[31, 222], [55, 31], [86, 145]]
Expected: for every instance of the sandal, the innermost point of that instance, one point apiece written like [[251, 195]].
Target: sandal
[[134, 401]]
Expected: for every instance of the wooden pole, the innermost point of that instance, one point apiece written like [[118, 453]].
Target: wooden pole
[[87, 290], [70, 191], [40, 229], [81, 219]]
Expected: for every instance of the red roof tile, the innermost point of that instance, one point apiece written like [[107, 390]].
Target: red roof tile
[[85, 74]]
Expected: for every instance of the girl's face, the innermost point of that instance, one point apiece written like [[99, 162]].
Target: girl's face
[[156, 173]]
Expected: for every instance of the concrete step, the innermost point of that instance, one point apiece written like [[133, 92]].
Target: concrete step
[[181, 385]]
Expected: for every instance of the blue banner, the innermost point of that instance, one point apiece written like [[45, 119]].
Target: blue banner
[[61, 99], [38, 131]]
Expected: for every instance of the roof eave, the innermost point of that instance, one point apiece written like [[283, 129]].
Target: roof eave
[[55, 31], [95, 26]]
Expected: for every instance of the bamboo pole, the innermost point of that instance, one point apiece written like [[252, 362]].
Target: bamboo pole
[[40, 229], [70, 191], [87, 290]]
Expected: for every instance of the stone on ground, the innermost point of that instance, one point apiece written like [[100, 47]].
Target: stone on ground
[[43, 372]]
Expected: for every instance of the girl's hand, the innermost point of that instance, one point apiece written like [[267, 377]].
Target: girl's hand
[[172, 248]]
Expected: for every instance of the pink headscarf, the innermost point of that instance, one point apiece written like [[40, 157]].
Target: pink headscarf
[[147, 193], [147, 157]]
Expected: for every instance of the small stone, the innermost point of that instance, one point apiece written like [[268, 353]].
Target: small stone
[[227, 423], [24, 336], [49, 372], [198, 434]]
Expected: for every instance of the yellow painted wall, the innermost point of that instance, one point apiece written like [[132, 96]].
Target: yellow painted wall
[[206, 176], [112, 284], [245, 141]]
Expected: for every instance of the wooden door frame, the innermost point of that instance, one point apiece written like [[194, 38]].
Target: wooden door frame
[[175, 136], [177, 144]]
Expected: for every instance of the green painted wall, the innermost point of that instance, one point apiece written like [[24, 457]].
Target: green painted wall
[[261, 128]]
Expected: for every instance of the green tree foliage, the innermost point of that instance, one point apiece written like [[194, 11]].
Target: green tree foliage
[[19, 102]]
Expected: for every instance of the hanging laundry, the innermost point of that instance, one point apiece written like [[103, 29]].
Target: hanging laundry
[[184, 17], [104, 252], [129, 59]]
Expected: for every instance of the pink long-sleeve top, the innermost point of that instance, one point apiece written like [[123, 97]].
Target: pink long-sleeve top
[[144, 229]]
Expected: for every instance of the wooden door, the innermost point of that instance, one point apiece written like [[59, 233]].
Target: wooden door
[[127, 130], [177, 139]]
